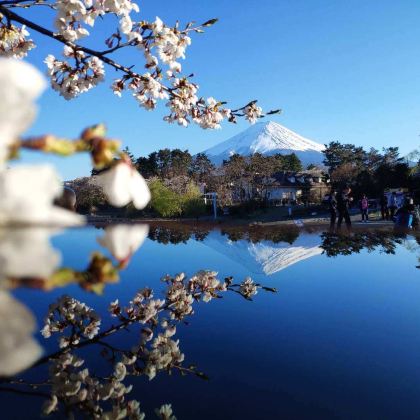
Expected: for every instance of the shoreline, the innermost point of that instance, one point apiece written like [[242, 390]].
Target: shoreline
[[313, 223]]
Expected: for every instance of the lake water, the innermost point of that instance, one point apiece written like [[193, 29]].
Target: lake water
[[339, 339]]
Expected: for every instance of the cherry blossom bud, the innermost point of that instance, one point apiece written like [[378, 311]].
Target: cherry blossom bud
[[98, 130]]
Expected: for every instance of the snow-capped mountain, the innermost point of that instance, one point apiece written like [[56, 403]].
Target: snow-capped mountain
[[266, 257], [268, 138]]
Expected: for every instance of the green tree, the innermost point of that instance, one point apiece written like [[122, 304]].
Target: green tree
[[163, 162], [180, 162], [201, 167], [236, 175], [260, 170], [292, 163], [337, 154], [192, 202], [165, 202], [147, 166]]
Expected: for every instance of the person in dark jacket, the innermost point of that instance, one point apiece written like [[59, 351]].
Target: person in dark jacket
[[406, 215], [384, 207], [343, 204], [332, 205]]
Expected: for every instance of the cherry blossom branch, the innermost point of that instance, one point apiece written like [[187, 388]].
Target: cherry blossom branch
[[112, 330], [76, 388], [184, 104], [246, 289], [40, 29]]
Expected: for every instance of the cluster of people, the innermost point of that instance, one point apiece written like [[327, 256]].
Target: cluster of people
[[339, 204], [389, 205], [399, 209]]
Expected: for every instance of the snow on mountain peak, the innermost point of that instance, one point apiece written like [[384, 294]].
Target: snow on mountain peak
[[268, 138]]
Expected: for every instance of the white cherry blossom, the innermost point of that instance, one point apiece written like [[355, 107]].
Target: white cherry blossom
[[252, 112], [123, 184], [70, 81], [20, 86], [14, 42], [28, 193]]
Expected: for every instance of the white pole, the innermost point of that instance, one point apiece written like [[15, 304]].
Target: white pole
[[214, 206]]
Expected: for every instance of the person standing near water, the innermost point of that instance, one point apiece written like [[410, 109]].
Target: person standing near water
[[332, 204], [364, 206], [343, 204], [384, 207], [392, 205]]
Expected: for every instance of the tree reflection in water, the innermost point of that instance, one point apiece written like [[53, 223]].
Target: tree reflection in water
[[178, 233], [72, 386], [347, 243], [175, 235]]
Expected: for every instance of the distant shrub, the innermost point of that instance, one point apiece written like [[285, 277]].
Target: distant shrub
[[168, 203], [164, 201], [192, 201]]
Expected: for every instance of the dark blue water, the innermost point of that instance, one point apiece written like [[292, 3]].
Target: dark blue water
[[339, 339]]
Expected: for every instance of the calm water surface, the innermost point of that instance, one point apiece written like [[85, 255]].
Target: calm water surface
[[339, 339]]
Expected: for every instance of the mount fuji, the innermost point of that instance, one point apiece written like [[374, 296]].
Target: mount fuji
[[266, 257], [268, 138]]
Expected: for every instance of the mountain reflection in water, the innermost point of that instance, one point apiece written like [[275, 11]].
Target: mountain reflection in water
[[116, 330]]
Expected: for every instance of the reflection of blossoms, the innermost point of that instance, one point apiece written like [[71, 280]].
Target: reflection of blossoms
[[206, 285], [35, 263], [165, 412], [143, 307], [27, 253], [105, 397], [180, 300], [164, 354], [74, 316], [18, 350], [248, 288], [124, 240], [77, 388]]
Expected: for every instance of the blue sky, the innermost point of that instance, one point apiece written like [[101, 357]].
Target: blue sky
[[340, 70]]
